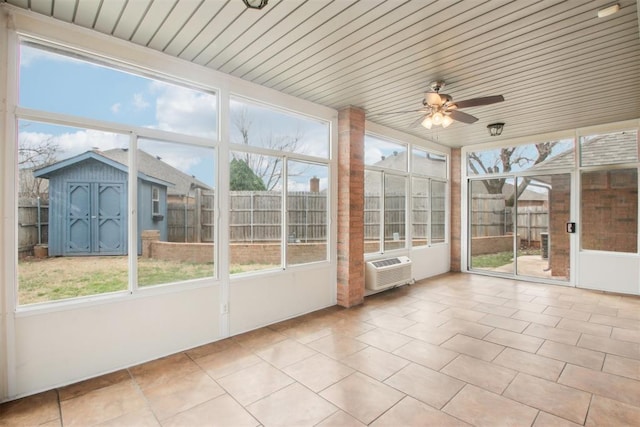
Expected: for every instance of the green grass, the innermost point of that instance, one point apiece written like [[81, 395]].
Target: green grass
[[69, 277], [499, 259], [491, 260], [159, 272]]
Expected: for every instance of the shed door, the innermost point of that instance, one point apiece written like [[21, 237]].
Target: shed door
[[95, 219]]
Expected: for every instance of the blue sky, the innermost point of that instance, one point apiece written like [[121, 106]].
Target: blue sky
[[62, 84]]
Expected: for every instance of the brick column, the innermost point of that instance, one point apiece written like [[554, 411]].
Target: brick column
[[350, 206], [456, 220], [148, 237], [559, 214]]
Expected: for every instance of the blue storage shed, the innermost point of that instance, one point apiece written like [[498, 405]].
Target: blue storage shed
[[88, 202]]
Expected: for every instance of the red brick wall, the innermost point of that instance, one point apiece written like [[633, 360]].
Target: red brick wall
[[240, 253], [560, 200], [609, 202], [456, 221], [183, 252], [350, 290], [491, 244]]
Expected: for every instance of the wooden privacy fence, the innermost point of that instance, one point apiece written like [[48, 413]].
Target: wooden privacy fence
[[255, 216], [394, 216], [532, 220], [491, 217], [33, 225]]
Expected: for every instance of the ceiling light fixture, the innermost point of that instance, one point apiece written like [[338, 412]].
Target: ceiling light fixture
[[608, 10], [255, 4], [438, 118], [495, 129]]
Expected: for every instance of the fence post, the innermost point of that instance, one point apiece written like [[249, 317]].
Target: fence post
[[252, 211], [197, 217], [39, 223]]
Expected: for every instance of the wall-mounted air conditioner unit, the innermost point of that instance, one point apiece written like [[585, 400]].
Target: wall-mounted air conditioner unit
[[386, 273]]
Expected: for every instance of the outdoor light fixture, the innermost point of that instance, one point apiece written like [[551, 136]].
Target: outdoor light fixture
[[608, 10], [437, 118], [255, 4], [495, 129]]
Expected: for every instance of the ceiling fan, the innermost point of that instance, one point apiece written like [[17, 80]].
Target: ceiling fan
[[440, 109]]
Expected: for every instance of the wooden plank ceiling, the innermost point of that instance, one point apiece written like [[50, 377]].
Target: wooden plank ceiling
[[557, 64]]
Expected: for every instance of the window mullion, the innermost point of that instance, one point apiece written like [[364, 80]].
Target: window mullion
[[132, 230]]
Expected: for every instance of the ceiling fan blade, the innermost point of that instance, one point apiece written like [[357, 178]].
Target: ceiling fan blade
[[462, 117], [419, 120], [476, 102]]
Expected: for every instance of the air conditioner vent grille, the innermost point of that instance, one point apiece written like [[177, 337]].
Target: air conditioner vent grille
[[386, 262], [386, 273]]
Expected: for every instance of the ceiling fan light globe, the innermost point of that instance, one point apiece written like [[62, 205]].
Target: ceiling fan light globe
[[437, 118], [446, 121], [427, 123]]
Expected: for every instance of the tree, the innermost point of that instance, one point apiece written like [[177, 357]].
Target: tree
[[242, 178], [504, 163], [34, 154], [267, 168]]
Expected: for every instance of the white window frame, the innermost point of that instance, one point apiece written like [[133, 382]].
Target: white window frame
[[409, 174], [135, 133], [285, 157]]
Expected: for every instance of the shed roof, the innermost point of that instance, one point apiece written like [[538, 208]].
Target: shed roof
[[47, 171], [150, 168]]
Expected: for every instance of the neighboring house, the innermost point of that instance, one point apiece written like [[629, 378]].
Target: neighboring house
[[432, 165], [182, 185], [88, 201]]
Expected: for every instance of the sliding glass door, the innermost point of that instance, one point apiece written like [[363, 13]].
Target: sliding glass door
[[518, 225]]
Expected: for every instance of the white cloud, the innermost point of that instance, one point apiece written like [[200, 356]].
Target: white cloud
[[115, 108], [181, 157], [139, 103], [183, 110], [70, 144]]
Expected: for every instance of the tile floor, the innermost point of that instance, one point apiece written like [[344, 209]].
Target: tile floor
[[453, 350]]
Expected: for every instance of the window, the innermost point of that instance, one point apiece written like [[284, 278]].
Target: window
[[420, 211], [438, 211], [274, 151], [176, 241], [395, 211], [385, 154], [75, 181], [428, 164], [63, 82], [609, 149], [255, 205], [391, 219], [539, 156], [307, 211], [609, 194], [155, 202], [266, 127], [609, 201], [71, 213], [372, 211]]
